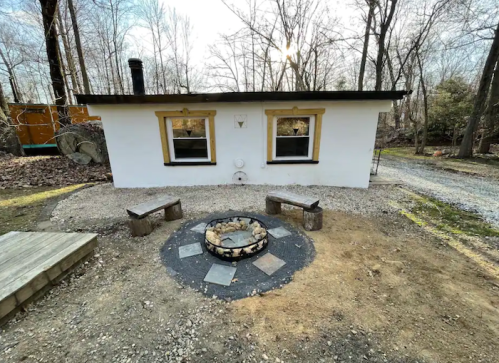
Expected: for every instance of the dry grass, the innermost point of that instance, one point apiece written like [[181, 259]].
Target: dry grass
[[20, 208]]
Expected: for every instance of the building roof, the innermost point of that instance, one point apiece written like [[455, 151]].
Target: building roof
[[242, 97]]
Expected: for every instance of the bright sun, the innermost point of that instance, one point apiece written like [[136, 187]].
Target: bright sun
[[288, 51], [283, 52]]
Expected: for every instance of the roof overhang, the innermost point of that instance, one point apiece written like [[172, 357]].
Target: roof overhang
[[243, 97]]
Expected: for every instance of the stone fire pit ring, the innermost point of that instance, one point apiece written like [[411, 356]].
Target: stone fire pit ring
[[236, 237]]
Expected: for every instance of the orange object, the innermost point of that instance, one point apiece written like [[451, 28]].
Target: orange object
[[437, 153], [37, 123]]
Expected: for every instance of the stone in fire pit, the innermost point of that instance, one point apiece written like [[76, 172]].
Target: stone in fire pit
[[235, 237]]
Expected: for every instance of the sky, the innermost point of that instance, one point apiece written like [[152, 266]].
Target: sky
[[211, 18]]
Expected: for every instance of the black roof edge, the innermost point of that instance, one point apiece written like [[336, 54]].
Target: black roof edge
[[243, 97]]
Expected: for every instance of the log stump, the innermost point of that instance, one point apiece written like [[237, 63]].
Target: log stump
[[312, 219], [140, 227], [174, 212], [272, 207]]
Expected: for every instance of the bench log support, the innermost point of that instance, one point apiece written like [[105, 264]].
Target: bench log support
[[312, 219], [312, 214], [140, 227], [174, 212], [272, 207]]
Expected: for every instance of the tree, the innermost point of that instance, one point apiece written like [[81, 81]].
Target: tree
[[363, 60], [154, 14], [295, 45], [386, 10], [422, 81], [466, 149], [81, 58], [451, 104], [49, 10], [9, 141], [491, 130], [69, 56]]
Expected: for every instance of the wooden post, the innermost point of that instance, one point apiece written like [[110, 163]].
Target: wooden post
[[272, 207], [312, 219], [174, 212], [140, 227]]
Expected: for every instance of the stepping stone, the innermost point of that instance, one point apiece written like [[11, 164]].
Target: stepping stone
[[279, 232], [199, 228], [269, 263], [190, 250], [220, 274]]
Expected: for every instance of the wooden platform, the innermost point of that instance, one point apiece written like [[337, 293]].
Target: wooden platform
[[30, 262]]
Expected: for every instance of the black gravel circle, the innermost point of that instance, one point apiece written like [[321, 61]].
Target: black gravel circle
[[297, 250]]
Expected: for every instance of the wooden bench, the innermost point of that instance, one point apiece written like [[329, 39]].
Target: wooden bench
[[312, 214], [142, 226]]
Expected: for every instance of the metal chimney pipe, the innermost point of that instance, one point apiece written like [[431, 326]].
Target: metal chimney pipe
[[135, 65]]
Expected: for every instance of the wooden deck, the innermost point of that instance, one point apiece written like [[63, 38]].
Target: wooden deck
[[30, 262]]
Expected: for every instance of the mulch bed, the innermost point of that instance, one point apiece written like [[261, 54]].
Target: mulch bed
[[25, 172], [296, 249]]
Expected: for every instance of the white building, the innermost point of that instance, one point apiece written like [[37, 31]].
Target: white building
[[307, 138]]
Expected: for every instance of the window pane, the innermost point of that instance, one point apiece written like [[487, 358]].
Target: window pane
[[190, 148], [292, 146], [293, 126], [188, 127]]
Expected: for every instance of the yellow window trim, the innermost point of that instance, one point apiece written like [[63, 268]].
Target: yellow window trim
[[295, 111], [161, 115]]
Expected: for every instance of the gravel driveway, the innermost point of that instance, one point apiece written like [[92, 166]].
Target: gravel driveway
[[472, 193]]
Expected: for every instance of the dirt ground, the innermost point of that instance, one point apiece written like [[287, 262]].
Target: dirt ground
[[380, 289]]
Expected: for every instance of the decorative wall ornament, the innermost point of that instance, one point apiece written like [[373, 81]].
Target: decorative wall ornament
[[240, 121]]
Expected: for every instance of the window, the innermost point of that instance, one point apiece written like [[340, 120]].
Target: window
[[292, 140], [293, 136], [187, 137]]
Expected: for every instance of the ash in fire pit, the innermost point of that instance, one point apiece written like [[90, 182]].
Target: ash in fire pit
[[235, 237]]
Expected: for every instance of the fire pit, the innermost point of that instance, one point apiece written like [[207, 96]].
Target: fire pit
[[236, 237]]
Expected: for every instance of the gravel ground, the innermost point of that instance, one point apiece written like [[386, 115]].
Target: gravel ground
[[104, 203], [472, 193]]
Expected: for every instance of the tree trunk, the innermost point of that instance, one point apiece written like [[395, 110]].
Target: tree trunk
[[67, 50], [491, 115], [9, 140], [420, 150], [363, 60], [12, 80], [49, 8], [64, 72], [466, 149], [76, 31], [393, 80], [384, 26]]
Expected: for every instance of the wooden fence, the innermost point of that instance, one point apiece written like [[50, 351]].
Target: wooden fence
[[37, 124]]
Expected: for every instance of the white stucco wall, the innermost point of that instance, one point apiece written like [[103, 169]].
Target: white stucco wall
[[348, 135]]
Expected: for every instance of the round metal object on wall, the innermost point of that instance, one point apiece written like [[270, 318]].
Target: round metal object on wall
[[239, 163], [240, 177]]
